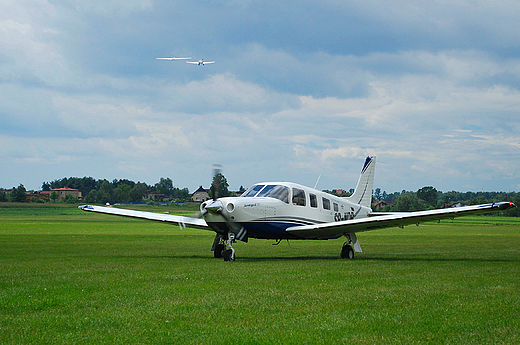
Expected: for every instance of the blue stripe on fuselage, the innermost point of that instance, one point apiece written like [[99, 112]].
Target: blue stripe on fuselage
[[269, 230]]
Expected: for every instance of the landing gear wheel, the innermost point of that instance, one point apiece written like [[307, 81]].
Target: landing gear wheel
[[347, 252], [228, 255], [219, 248]]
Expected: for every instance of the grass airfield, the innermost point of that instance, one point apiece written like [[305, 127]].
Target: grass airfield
[[72, 277]]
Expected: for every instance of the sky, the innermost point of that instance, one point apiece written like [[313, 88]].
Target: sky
[[301, 91]]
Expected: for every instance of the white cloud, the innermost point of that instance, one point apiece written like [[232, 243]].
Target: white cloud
[[291, 96], [113, 7]]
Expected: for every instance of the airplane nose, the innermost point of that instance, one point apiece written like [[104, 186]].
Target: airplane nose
[[214, 207]]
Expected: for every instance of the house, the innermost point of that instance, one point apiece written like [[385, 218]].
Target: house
[[382, 205], [156, 196], [39, 195], [200, 195], [64, 192]]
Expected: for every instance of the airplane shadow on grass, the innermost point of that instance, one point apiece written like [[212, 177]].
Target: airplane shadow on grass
[[331, 258]]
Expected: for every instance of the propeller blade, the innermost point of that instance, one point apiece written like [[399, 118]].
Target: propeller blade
[[216, 181]]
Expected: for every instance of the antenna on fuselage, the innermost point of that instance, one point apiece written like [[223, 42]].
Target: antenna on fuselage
[[318, 180]]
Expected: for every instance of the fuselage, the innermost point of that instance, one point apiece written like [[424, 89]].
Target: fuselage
[[266, 210]]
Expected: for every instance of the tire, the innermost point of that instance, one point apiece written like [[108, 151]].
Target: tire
[[226, 254], [219, 248], [347, 252]]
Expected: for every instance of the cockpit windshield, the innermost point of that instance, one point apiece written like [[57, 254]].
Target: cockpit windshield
[[275, 191], [251, 192], [268, 191]]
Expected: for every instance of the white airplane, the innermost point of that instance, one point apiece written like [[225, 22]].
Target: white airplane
[[283, 210], [200, 62], [173, 58]]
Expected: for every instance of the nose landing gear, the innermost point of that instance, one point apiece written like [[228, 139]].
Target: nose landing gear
[[220, 245], [229, 254]]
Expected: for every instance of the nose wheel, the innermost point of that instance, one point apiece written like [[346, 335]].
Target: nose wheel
[[229, 254], [224, 249]]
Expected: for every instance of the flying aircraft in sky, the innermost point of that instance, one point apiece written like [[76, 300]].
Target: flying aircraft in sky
[[200, 62], [173, 58], [284, 210]]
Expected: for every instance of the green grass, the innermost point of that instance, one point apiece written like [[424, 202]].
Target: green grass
[[68, 276]]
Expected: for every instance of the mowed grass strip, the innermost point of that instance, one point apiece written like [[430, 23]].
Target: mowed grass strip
[[68, 276]]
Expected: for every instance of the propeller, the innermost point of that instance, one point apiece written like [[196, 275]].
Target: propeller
[[217, 207], [217, 168], [213, 207]]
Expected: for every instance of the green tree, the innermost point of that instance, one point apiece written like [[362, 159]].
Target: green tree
[[69, 199], [54, 196], [408, 202], [377, 194], [122, 193], [165, 186], [19, 194], [478, 200], [105, 193], [138, 193], [181, 194], [91, 197], [219, 186], [429, 195]]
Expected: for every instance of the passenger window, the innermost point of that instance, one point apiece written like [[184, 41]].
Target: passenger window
[[314, 200], [326, 204], [298, 197], [336, 209]]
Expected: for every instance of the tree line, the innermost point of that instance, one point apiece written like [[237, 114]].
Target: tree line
[[103, 191], [428, 198]]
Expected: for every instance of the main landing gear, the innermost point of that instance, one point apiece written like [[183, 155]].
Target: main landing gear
[[219, 247], [347, 252]]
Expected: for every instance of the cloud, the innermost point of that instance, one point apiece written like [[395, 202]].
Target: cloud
[[109, 8], [298, 90], [224, 92]]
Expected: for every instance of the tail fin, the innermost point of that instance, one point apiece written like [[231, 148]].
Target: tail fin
[[363, 193]]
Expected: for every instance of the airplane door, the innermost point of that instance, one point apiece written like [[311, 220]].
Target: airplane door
[[269, 212]]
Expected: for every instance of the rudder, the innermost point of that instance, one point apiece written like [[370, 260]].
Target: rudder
[[363, 193]]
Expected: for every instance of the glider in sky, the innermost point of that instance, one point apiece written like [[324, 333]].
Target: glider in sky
[[200, 62], [173, 58]]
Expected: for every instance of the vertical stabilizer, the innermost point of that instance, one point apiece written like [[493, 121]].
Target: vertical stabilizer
[[363, 193]]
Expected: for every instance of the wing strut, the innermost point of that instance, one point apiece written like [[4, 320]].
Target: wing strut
[[352, 239]]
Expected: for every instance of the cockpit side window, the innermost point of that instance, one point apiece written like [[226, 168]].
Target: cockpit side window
[[298, 197], [275, 191], [252, 191]]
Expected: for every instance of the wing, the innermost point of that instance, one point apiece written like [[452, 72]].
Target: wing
[[161, 217], [329, 230], [174, 58], [193, 62], [205, 62]]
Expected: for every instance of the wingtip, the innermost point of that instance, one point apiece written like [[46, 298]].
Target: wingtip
[[86, 207]]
